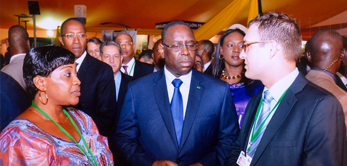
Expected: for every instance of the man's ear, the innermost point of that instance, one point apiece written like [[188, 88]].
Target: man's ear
[[274, 48], [40, 83], [61, 40], [28, 44], [7, 43], [161, 50], [308, 56]]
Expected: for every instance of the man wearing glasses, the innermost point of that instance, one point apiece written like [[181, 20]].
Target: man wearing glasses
[[177, 116], [98, 94], [292, 121], [131, 66]]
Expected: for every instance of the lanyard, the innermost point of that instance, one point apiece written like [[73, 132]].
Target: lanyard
[[254, 135], [132, 66], [68, 135]]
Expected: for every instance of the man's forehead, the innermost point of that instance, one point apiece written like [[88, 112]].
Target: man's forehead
[[252, 33], [181, 31], [123, 36], [73, 26]]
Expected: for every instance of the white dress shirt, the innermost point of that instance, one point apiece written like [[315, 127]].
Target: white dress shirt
[[131, 67], [276, 92], [343, 78], [184, 88], [207, 64], [80, 60]]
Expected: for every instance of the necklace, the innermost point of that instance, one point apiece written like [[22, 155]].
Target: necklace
[[230, 77], [43, 117]]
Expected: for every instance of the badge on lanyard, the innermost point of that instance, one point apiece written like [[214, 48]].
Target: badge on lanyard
[[244, 160]]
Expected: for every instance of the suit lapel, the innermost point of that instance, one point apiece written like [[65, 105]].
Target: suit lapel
[[280, 115], [161, 96], [194, 99], [83, 70]]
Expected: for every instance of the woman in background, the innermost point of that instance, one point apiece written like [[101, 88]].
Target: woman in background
[[48, 133], [229, 67]]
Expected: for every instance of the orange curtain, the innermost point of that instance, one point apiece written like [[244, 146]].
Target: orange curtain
[[225, 18]]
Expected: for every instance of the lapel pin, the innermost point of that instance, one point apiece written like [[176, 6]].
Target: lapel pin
[[198, 87]]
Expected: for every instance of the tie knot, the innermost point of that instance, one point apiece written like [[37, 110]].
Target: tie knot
[[177, 83], [267, 97], [125, 67]]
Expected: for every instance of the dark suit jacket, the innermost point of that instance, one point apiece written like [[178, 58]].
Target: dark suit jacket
[[141, 69], [146, 129], [13, 100], [98, 94], [208, 70], [306, 129], [122, 91]]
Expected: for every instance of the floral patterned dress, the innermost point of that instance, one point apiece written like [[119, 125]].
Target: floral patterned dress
[[23, 143]]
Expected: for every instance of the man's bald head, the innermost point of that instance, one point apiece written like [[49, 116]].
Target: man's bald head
[[18, 39], [325, 49]]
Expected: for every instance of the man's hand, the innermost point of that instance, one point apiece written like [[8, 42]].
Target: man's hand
[[196, 164], [164, 163]]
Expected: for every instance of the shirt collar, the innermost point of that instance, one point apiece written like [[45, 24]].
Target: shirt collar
[[185, 78], [80, 60], [130, 63], [17, 55], [325, 71], [207, 64], [118, 77], [282, 85], [343, 78]]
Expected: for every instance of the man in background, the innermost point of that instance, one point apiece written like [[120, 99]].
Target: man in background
[[159, 62], [131, 66], [18, 42], [98, 94], [205, 50], [325, 57]]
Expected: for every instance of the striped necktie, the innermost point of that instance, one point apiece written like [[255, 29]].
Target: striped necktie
[[264, 113]]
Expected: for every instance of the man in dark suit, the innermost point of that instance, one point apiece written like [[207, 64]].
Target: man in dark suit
[[13, 100], [110, 53], [131, 66], [205, 50], [162, 123], [292, 121], [98, 94]]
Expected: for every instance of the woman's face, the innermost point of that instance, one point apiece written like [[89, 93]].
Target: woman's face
[[63, 86], [231, 49]]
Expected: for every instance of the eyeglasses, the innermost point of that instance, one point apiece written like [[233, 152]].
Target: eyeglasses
[[246, 45], [125, 44], [177, 46], [73, 35]]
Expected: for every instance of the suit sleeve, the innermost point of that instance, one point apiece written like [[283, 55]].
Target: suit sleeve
[[106, 102], [228, 131], [326, 137], [127, 136]]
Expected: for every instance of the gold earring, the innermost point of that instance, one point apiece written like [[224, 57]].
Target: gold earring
[[41, 99]]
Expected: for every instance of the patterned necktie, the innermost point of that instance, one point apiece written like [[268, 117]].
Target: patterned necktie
[[125, 69], [177, 109], [266, 109]]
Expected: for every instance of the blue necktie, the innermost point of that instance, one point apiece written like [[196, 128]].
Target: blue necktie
[[266, 109], [177, 109]]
